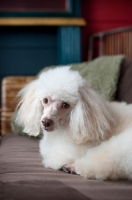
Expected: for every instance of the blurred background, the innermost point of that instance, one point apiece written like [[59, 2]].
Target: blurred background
[[39, 33]]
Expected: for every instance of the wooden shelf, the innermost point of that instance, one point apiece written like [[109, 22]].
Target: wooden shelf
[[43, 21]]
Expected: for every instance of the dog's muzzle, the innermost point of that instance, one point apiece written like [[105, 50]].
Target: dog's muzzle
[[47, 124]]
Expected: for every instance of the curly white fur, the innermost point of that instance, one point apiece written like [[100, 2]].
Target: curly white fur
[[83, 133]]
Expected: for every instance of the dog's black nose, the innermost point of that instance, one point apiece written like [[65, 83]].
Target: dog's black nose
[[47, 122]]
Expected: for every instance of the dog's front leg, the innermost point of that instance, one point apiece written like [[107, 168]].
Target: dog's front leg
[[101, 164], [88, 168], [55, 160]]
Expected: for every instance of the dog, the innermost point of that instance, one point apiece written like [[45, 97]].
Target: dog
[[82, 133]]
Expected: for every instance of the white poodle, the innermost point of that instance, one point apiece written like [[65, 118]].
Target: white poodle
[[82, 133]]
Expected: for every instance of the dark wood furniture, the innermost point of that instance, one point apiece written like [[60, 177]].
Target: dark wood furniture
[[111, 42]]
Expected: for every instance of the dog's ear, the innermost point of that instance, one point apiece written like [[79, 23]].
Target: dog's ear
[[29, 109], [91, 119]]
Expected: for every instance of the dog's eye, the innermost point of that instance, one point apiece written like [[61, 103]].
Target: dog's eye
[[45, 100], [65, 105]]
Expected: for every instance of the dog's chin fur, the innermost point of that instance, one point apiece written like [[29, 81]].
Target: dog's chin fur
[[90, 137]]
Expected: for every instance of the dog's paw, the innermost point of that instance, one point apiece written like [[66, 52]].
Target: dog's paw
[[69, 169]]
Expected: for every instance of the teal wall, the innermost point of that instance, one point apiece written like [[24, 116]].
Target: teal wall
[[25, 50]]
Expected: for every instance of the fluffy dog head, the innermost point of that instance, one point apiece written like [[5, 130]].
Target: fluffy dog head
[[61, 98]]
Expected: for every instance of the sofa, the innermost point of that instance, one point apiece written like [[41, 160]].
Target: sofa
[[22, 174]]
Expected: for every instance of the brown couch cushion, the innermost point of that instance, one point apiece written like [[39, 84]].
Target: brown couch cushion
[[39, 190], [124, 87], [22, 176]]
